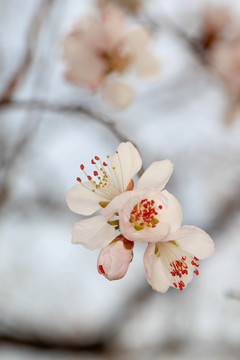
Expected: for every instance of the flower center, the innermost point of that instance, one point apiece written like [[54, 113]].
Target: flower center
[[103, 181], [144, 214], [116, 61], [176, 263]]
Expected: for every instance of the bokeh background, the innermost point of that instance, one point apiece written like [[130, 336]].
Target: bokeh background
[[53, 302]]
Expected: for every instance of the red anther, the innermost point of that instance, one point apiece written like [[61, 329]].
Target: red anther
[[196, 272], [82, 167], [104, 164], [193, 263], [96, 158], [184, 265], [175, 285], [183, 258], [160, 207], [181, 283], [78, 179], [101, 269], [89, 177], [195, 258], [95, 173], [93, 162]]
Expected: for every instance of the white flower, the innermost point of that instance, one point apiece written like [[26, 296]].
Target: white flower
[[174, 261], [114, 259], [105, 182], [148, 214], [113, 179]]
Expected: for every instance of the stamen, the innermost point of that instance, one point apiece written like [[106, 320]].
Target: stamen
[[143, 214], [100, 267]]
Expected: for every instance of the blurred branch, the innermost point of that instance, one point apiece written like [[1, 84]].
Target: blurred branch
[[31, 45], [233, 295], [8, 162], [226, 213], [44, 106], [166, 23]]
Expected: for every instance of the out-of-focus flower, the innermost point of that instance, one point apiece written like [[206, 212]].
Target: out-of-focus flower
[[101, 49], [114, 259], [129, 5], [174, 261], [221, 42]]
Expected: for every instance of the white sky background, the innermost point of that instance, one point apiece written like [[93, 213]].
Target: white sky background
[[49, 288]]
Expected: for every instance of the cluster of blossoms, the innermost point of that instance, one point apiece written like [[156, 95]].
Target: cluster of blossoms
[[147, 214], [221, 43], [101, 49]]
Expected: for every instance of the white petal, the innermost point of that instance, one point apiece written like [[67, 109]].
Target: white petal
[[147, 66], [83, 66], [156, 175], [93, 233], [82, 200], [172, 214], [118, 93], [155, 271], [194, 241], [127, 162], [116, 204], [136, 41]]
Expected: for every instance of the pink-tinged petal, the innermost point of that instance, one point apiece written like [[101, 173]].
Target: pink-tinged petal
[[114, 259], [113, 27], [156, 175], [172, 214], [118, 93], [194, 241], [145, 235], [116, 204], [147, 66], [81, 200], [93, 233], [155, 271], [168, 215], [83, 65], [127, 162], [136, 41]]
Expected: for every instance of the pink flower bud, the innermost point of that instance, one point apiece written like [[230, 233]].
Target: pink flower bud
[[114, 259]]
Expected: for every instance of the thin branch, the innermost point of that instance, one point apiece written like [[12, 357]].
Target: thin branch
[[192, 43], [44, 106], [233, 295], [32, 36]]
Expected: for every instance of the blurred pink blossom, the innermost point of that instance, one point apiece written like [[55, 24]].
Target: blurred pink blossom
[[101, 49], [221, 41]]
